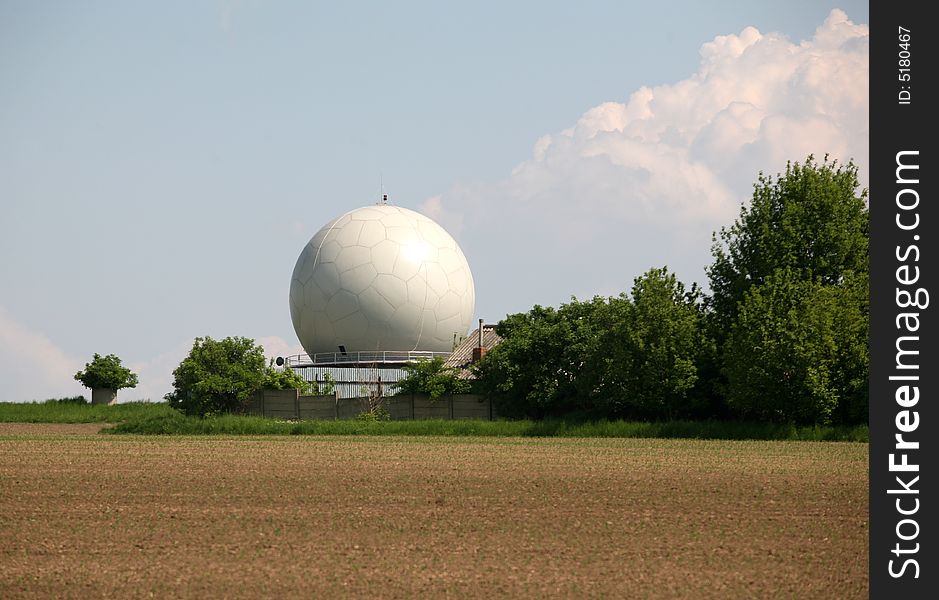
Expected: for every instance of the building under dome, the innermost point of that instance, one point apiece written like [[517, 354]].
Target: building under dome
[[375, 288]]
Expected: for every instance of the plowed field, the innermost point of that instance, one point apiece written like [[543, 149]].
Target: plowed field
[[85, 515]]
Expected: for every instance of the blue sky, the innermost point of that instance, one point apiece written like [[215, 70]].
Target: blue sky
[[163, 164]]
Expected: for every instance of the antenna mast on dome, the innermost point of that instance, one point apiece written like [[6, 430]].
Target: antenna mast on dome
[[382, 196]]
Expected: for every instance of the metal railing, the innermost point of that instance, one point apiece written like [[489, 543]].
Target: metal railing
[[353, 358]]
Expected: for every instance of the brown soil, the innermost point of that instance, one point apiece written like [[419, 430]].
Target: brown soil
[[399, 517], [51, 429]]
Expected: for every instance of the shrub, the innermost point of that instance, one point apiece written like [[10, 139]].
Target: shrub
[[79, 400], [327, 387], [374, 415], [286, 379]]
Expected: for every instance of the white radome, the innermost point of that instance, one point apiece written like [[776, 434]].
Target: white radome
[[381, 278]]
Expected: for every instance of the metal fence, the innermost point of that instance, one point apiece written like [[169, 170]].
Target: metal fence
[[351, 382], [357, 374], [359, 358]]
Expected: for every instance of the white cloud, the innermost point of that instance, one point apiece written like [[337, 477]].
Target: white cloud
[[32, 367], [642, 183]]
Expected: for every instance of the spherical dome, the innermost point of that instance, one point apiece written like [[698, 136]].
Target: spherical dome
[[381, 278]]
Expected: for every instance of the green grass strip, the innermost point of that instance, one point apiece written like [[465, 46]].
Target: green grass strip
[[145, 418], [70, 410], [177, 424]]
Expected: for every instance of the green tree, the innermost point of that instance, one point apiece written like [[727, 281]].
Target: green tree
[[813, 219], [630, 356], [652, 354], [547, 363], [799, 252], [432, 377], [218, 376], [798, 351], [106, 372], [852, 353]]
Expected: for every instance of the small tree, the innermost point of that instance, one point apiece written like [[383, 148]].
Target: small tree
[[374, 395], [219, 376], [106, 372], [433, 378], [327, 387]]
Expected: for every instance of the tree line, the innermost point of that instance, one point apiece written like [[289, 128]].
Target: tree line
[[781, 336]]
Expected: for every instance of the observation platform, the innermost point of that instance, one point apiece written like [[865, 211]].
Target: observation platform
[[382, 359]]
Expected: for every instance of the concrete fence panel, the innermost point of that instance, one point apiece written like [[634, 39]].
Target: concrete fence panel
[[288, 404], [322, 408], [349, 408], [255, 406], [281, 404], [470, 406], [399, 407], [425, 408]]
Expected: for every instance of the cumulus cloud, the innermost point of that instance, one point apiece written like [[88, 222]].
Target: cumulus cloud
[[33, 367], [644, 182]]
